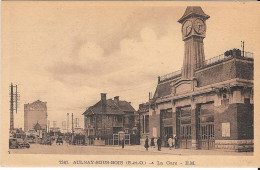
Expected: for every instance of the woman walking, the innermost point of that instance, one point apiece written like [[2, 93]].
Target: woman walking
[[170, 142]]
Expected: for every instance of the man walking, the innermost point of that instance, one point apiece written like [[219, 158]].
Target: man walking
[[159, 143], [146, 144], [123, 143], [175, 140]]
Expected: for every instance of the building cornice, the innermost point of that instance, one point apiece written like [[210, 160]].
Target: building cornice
[[207, 89]]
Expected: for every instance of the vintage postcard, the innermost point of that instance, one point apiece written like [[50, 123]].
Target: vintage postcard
[[130, 84]]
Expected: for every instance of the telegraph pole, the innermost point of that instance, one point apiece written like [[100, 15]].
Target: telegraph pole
[[12, 108], [48, 129], [72, 128], [14, 97], [68, 123]]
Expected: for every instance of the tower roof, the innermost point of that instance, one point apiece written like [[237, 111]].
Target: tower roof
[[193, 10]]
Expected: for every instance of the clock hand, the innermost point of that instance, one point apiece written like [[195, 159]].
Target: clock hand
[[199, 25], [186, 31]]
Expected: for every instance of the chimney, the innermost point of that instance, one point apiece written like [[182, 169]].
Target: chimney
[[116, 99], [103, 102]]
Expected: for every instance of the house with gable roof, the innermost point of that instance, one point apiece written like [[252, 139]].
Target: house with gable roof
[[108, 117]]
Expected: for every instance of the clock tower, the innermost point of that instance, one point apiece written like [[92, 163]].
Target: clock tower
[[193, 32]]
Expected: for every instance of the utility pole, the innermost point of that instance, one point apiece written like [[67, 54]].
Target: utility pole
[[72, 128], [48, 129], [14, 97], [12, 108], [68, 123], [243, 48]]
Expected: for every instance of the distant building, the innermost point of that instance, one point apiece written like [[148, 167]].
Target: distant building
[[55, 131], [79, 130], [108, 117], [35, 114]]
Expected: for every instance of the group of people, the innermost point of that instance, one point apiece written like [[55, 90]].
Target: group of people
[[172, 142]]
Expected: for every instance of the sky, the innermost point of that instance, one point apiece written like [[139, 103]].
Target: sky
[[67, 53]]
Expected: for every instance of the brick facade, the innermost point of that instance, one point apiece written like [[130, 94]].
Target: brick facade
[[211, 101], [220, 85]]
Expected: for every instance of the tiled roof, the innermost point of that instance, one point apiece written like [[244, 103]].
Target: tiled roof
[[163, 89], [111, 108], [193, 10]]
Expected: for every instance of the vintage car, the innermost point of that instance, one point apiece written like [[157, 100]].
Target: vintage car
[[48, 141], [59, 141], [22, 143], [18, 143], [13, 144]]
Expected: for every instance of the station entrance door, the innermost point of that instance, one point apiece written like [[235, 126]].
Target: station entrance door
[[206, 128], [184, 127]]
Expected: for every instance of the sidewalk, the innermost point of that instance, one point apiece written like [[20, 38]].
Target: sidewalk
[[165, 150]]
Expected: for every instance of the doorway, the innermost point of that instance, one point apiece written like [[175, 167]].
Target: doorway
[[206, 128], [184, 127]]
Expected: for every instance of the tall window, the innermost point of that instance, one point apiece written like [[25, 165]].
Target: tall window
[[146, 123], [126, 120]]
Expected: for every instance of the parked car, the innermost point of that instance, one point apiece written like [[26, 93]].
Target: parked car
[[18, 143], [13, 144], [59, 141], [48, 141], [22, 143]]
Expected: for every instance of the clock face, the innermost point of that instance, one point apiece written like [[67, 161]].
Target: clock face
[[199, 26], [186, 28]]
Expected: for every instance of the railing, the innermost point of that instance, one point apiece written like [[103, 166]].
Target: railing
[[213, 60], [210, 61], [222, 57], [170, 75]]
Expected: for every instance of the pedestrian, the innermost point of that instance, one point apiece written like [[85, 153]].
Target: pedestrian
[[146, 144], [175, 140], [170, 142], [152, 142], [159, 143], [123, 143]]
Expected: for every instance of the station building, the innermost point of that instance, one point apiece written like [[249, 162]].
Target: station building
[[208, 104]]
